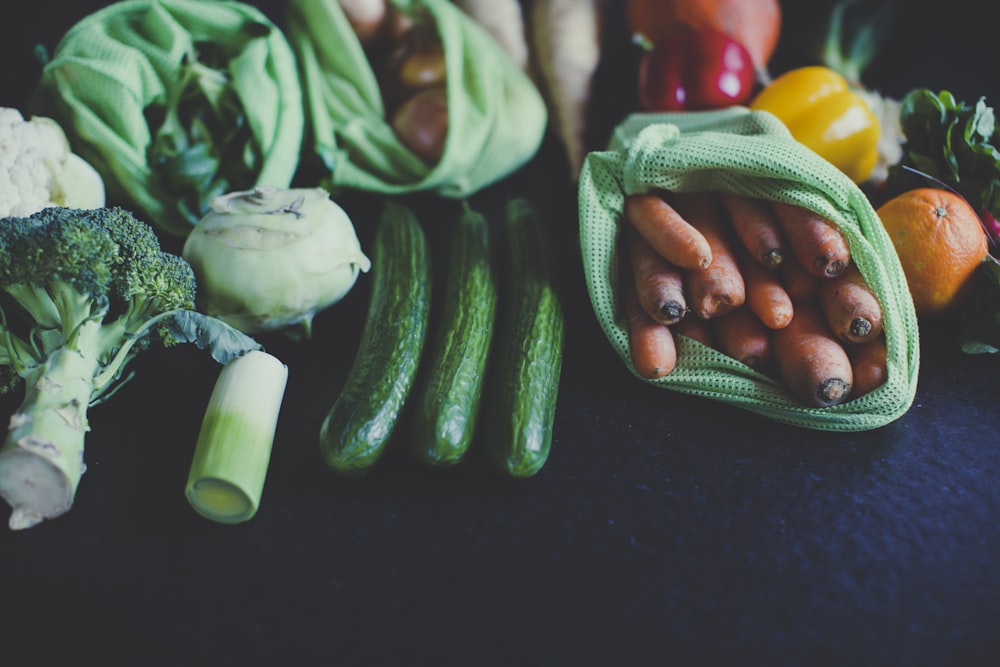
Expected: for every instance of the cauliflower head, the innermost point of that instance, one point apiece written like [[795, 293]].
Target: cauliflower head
[[38, 169]]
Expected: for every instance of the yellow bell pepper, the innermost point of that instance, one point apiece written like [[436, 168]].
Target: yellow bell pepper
[[820, 109]]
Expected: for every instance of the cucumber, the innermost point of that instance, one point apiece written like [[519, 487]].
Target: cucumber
[[361, 421], [451, 384], [525, 365]]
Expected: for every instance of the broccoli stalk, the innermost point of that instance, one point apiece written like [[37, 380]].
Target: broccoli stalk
[[82, 292], [42, 458]]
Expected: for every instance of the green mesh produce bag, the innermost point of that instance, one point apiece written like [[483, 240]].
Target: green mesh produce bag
[[496, 115], [750, 153], [116, 67]]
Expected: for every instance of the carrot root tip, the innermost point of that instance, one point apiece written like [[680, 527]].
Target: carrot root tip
[[832, 391], [861, 327], [773, 258], [836, 268], [672, 312]]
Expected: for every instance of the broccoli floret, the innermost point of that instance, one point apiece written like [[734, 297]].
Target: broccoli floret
[[71, 268], [82, 291]]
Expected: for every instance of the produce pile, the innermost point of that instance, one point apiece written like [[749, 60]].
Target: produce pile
[[700, 220], [179, 172]]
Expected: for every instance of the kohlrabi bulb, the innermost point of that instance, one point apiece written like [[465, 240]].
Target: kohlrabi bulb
[[269, 259]]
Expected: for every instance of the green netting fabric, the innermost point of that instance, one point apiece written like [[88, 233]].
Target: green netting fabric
[[113, 65], [751, 153], [497, 117]]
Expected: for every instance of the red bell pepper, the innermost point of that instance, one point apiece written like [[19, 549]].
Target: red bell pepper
[[692, 70]]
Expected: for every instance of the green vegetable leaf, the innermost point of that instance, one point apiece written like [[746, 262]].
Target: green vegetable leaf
[[224, 342], [954, 142], [203, 145]]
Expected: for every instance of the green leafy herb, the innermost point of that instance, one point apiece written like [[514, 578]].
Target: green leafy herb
[[954, 142]]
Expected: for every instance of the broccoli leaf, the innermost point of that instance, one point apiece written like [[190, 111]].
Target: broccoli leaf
[[224, 341]]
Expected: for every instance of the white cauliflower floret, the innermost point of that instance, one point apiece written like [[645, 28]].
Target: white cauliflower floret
[[38, 169], [891, 138]]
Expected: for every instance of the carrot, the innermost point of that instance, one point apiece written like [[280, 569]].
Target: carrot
[[667, 231], [658, 283], [755, 225], [851, 307], [869, 364], [695, 328], [742, 336], [767, 298], [818, 243], [504, 21], [719, 287], [811, 361], [651, 344], [565, 39], [801, 285]]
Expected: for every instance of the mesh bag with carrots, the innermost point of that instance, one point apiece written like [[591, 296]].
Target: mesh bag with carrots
[[496, 116], [745, 153]]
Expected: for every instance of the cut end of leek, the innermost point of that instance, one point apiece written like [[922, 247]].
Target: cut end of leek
[[221, 501]]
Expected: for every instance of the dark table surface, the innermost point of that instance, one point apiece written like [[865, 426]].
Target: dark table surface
[[663, 530]]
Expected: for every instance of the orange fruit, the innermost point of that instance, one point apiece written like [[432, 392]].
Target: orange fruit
[[940, 242]]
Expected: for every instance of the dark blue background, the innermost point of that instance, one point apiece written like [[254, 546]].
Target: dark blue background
[[663, 530]]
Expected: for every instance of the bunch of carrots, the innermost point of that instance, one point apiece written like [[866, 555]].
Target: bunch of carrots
[[769, 284]]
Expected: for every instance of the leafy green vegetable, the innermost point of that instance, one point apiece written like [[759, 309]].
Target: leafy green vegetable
[[951, 141], [203, 144]]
